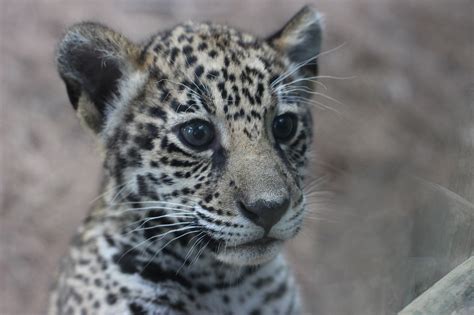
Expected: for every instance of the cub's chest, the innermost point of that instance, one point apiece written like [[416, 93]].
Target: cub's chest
[[279, 299], [270, 290]]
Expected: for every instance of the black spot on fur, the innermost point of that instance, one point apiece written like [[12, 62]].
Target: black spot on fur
[[154, 273], [276, 294], [137, 309], [156, 111], [187, 50], [174, 54], [144, 142], [203, 289], [202, 46], [126, 260], [198, 71], [212, 75], [111, 298], [190, 60], [219, 158], [213, 54]]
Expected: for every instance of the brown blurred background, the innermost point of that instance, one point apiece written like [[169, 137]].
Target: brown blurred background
[[397, 151]]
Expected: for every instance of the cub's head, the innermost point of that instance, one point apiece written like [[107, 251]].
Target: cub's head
[[203, 128]]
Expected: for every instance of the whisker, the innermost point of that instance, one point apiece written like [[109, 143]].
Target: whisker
[[199, 253], [304, 63], [179, 215], [140, 228], [314, 185], [164, 246], [315, 93], [200, 236], [153, 202], [318, 194], [188, 76], [117, 195], [319, 105], [314, 79], [159, 236], [184, 86], [108, 191], [142, 209]]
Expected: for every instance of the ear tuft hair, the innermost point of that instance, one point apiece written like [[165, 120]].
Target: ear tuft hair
[[300, 39]]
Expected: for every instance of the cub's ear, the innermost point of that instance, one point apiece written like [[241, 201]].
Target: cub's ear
[[94, 61], [300, 39]]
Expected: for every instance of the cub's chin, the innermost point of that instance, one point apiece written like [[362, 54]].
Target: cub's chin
[[252, 253]]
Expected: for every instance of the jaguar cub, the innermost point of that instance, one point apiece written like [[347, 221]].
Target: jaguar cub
[[204, 131]]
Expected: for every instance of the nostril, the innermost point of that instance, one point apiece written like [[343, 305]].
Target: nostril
[[247, 213]]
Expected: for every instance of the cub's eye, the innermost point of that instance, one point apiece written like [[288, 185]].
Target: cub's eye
[[284, 127], [197, 133]]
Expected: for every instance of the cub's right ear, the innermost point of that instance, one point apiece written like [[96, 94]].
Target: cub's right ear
[[300, 40], [93, 61]]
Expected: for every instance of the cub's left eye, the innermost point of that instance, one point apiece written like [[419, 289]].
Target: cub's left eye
[[284, 127], [197, 134]]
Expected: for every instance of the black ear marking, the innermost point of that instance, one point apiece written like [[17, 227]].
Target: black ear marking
[[100, 76], [300, 39], [73, 90], [91, 60]]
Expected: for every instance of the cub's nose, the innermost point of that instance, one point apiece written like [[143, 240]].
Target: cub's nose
[[264, 213]]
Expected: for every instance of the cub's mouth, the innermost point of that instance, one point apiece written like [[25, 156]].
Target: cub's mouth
[[258, 244], [254, 252]]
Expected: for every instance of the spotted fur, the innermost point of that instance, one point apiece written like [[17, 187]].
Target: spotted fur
[[167, 235]]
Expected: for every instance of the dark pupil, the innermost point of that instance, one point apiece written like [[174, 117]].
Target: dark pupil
[[283, 127], [197, 134]]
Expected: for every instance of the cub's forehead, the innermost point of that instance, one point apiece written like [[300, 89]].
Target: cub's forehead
[[213, 61], [208, 43]]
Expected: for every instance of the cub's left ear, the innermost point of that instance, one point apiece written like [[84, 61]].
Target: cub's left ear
[[300, 39]]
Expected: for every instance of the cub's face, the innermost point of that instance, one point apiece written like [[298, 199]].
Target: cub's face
[[205, 129]]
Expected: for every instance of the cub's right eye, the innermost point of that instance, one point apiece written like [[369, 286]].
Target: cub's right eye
[[197, 134]]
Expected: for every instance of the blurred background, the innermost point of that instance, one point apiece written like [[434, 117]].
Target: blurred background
[[395, 146]]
